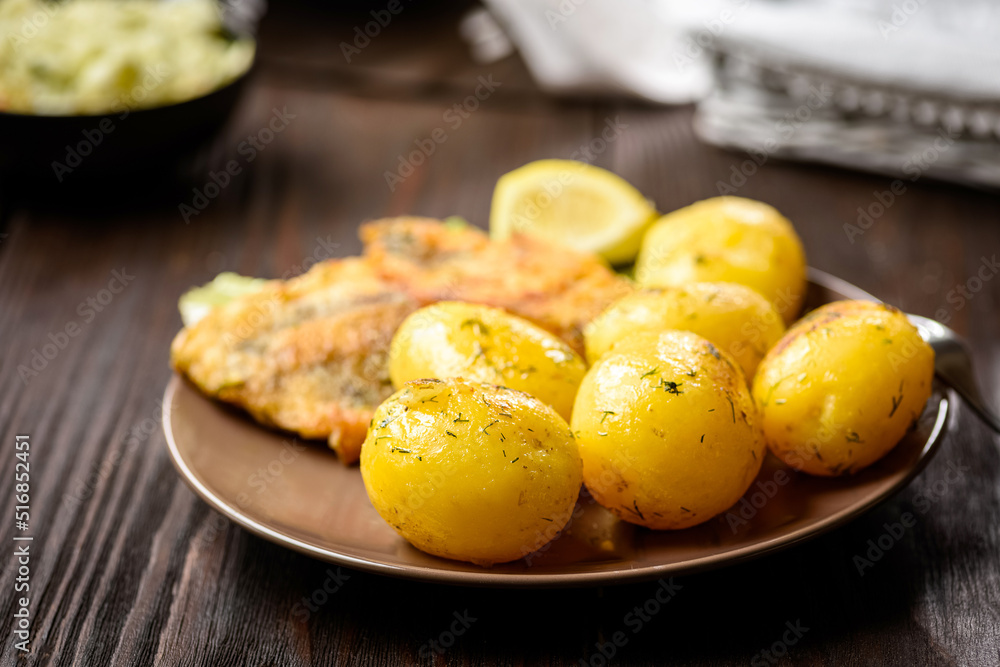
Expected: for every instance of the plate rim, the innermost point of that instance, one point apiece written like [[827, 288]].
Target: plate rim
[[489, 579]]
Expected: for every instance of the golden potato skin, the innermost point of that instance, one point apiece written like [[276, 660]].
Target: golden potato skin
[[734, 317], [667, 430], [843, 387], [486, 344], [727, 239], [471, 471]]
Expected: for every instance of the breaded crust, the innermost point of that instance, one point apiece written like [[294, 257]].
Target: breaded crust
[[559, 289], [308, 355]]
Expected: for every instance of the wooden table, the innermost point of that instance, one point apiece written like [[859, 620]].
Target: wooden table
[[129, 567]]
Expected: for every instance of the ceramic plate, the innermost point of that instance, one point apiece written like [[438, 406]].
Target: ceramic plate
[[297, 494]]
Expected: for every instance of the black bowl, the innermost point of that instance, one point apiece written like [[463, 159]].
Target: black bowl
[[60, 149]]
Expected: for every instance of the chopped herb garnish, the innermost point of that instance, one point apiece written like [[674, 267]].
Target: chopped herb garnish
[[732, 407], [896, 401], [459, 420], [514, 460], [703, 437], [650, 372], [671, 387], [606, 413], [477, 326], [486, 430], [637, 510], [451, 434]]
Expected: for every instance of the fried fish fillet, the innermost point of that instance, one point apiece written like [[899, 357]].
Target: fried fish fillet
[[559, 289], [308, 355]]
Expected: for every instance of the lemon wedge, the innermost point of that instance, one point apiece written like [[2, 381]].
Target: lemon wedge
[[574, 204]]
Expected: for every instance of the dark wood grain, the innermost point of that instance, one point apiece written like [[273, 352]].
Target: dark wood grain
[[129, 568]]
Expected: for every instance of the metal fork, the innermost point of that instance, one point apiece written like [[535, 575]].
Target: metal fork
[[953, 364]]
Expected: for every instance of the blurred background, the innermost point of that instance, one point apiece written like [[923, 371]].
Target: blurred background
[[903, 88]]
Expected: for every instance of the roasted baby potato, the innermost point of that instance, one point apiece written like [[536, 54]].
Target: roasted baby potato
[[471, 471], [734, 317], [667, 430], [455, 339], [843, 386], [727, 239]]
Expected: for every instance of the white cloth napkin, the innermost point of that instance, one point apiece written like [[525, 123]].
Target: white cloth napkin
[[607, 47], [898, 72]]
